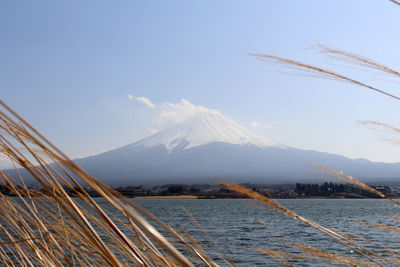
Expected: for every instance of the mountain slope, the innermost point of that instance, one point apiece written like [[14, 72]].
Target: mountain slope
[[244, 163], [209, 145]]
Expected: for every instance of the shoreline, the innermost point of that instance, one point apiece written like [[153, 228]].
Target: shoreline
[[168, 197], [208, 197]]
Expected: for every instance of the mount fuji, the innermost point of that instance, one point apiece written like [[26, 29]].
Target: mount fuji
[[207, 144], [203, 128]]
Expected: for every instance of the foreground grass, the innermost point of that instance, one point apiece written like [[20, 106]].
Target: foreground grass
[[53, 229], [49, 228]]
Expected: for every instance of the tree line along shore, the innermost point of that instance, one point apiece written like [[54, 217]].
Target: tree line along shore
[[217, 191]]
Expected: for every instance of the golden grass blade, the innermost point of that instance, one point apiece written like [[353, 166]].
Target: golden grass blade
[[381, 226], [353, 245], [355, 182], [357, 60], [375, 125], [226, 258], [272, 233], [320, 72], [325, 258], [53, 229], [395, 2], [278, 256]]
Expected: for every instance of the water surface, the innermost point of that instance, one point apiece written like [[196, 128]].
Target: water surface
[[236, 224]]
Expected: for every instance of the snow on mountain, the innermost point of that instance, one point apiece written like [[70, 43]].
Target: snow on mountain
[[204, 127], [197, 143]]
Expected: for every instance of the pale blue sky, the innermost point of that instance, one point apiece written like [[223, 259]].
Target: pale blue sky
[[68, 68]]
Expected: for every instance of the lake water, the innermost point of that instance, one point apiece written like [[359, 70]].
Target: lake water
[[235, 225]]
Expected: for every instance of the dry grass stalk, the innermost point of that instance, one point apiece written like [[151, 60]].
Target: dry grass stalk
[[357, 60], [353, 181], [338, 258], [395, 1], [49, 228], [375, 125], [375, 245], [342, 239], [382, 226], [225, 257], [325, 259], [319, 72], [276, 255], [277, 241]]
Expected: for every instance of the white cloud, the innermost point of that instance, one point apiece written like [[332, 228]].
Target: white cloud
[[145, 101], [142, 99], [176, 113], [257, 124]]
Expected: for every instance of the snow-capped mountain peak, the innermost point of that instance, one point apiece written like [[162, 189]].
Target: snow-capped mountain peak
[[201, 142], [202, 128]]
